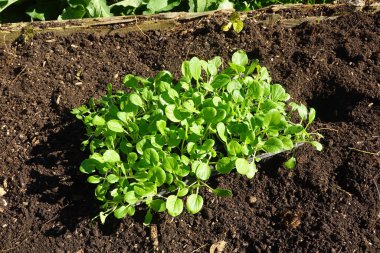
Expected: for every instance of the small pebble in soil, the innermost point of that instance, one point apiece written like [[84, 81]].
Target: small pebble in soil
[[252, 200]]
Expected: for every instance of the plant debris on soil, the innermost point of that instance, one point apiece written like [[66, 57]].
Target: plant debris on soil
[[329, 203]]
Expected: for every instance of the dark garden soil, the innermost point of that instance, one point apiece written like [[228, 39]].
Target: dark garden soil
[[329, 203]]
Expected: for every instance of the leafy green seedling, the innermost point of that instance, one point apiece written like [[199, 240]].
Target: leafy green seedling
[[159, 143], [235, 22]]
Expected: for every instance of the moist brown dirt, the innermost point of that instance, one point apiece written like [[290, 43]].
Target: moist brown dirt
[[329, 203]]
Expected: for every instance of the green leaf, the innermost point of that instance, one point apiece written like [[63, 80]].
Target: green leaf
[[195, 68], [172, 114], [111, 156], [302, 111], [203, 171], [112, 178], [252, 170], [291, 163], [242, 166], [98, 121], [123, 116], [158, 205], [76, 12], [277, 93], [238, 26], [36, 15], [95, 179], [89, 166], [225, 165], [317, 145], [221, 130], [130, 198], [220, 81], [311, 115], [287, 142], [151, 156], [208, 114], [233, 85], [222, 192], [103, 217], [115, 126], [273, 145], [130, 81], [170, 164], [161, 126], [98, 8], [5, 3], [294, 129], [182, 192], [136, 100], [226, 27], [123, 211], [194, 203], [128, 3], [158, 176], [174, 205], [240, 58], [148, 218], [234, 148], [207, 145]]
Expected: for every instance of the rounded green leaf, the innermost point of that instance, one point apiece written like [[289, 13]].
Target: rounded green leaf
[[287, 143], [151, 156], [194, 203], [122, 211], [111, 156], [174, 205], [222, 192], [311, 115], [115, 126], [234, 148], [317, 145], [158, 205], [159, 176], [161, 126], [203, 171], [240, 57], [130, 197], [252, 170], [273, 145], [95, 179], [208, 114], [220, 81], [88, 166], [242, 166], [225, 165], [182, 192], [98, 121], [221, 130], [294, 129], [136, 100], [291, 163], [112, 178], [123, 116], [169, 164], [170, 113], [195, 68]]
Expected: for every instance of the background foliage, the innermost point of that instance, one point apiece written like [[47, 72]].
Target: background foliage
[[30, 10]]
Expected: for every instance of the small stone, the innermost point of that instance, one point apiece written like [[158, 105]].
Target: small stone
[[2, 191], [252, 200]]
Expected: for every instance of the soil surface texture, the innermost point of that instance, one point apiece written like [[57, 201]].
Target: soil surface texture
[[329, 203]]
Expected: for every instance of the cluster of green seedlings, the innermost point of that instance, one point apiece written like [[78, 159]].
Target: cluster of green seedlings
[[160, 142]]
